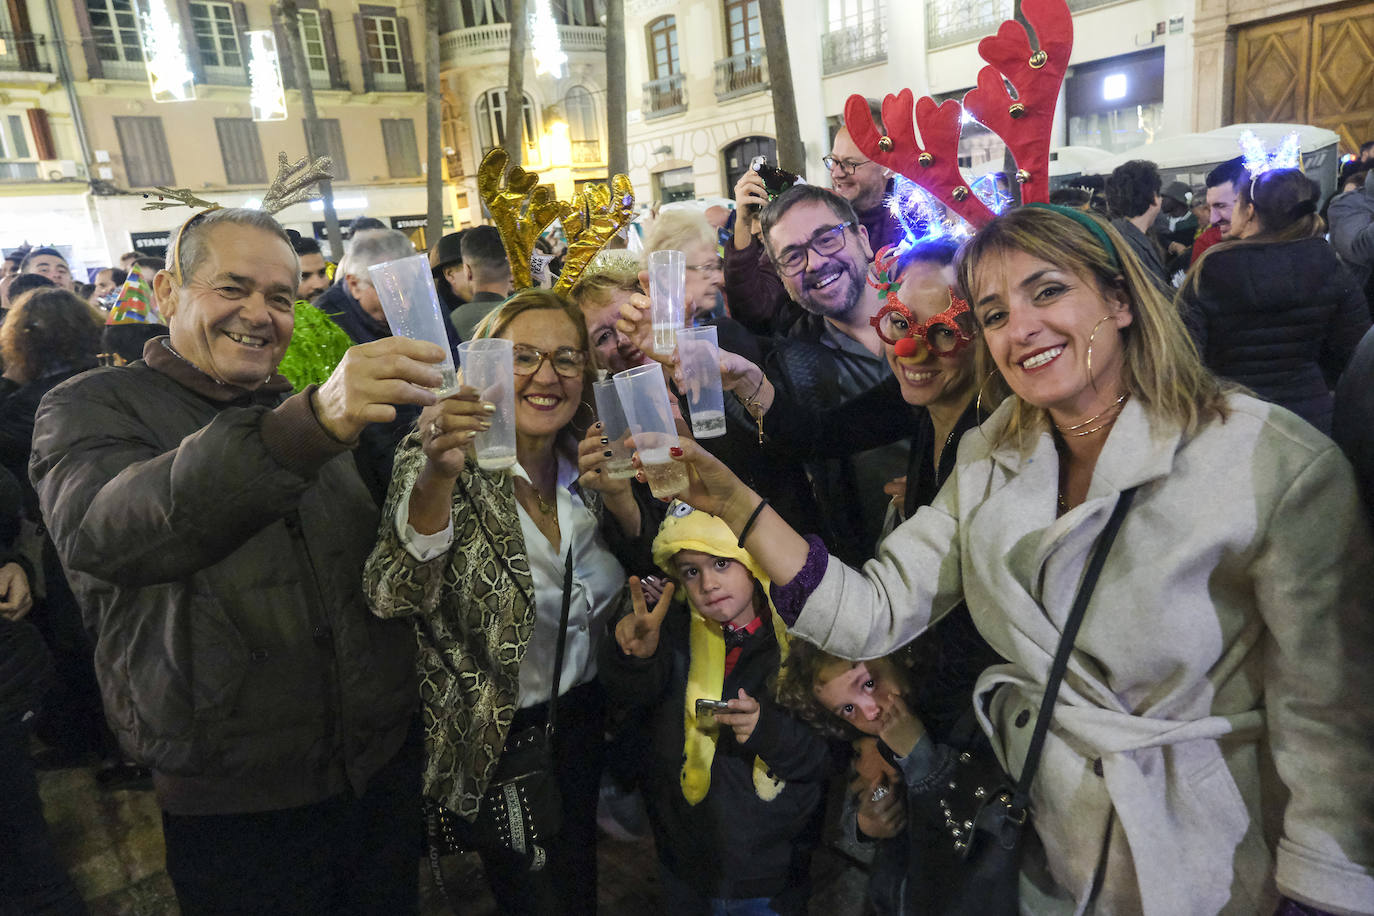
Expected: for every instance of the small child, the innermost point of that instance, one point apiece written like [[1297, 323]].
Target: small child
[[734, 798]]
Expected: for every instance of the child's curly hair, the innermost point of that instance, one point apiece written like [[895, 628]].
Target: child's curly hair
[[801, 671]]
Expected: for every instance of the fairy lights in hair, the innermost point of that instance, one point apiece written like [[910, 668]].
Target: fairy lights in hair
[[918, 212], [991, 192], [1258, 160]]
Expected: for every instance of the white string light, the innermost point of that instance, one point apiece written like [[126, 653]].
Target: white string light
[[169, 75], [549, 58], [266, 93]]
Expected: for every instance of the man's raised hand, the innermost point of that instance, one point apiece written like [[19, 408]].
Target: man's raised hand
[[374, 377], [637, 632]]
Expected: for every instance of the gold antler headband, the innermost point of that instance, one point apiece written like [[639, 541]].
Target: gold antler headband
[[599, 214], [520, 207]]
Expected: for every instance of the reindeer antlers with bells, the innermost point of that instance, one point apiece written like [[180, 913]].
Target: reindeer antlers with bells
[[1033, 62], [522, 209]]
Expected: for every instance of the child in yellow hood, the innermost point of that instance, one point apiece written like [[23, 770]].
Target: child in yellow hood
[[734, 797]]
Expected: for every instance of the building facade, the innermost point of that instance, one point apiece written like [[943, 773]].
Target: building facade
[[78, 178]]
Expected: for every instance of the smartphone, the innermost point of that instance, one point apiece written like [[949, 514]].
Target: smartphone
[[707, 707]]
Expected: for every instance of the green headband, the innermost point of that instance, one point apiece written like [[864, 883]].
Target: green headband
[[1087, 222]]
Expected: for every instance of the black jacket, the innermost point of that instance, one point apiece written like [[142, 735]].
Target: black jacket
[[1281, 318], [215, 539], [732, 844], [1353, 424]]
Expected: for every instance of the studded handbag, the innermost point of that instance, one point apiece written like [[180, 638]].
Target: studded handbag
[[522, 807], [967, 821]]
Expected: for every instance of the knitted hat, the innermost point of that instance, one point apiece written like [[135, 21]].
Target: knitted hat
[[687, 529]]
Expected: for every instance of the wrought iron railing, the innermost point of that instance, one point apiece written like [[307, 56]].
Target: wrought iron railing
[[664, 96], [24, 52], [741, 74], [952, 22], [861, 45], [18, 171]]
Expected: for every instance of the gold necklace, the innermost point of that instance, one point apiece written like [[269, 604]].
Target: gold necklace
[[546, 507], [1074, 429]]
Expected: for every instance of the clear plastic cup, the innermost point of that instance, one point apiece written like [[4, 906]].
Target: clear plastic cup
[[406, 290], [488, 364], [616, 429], [649, 411], [699, 355], [667, 293]]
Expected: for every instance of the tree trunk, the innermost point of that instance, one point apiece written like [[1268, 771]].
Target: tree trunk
[[434, 213], [314, 137], [791, 152], [515, 82], [617, 130]]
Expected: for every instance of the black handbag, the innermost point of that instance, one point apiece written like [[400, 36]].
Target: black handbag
[[968, 829], [522, 806]]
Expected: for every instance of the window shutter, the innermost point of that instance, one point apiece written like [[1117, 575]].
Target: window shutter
[[402, 152], [143, 147], [188, 41], [241, 149], [44, 148], [364, 62], [331, 137], [88, 49], [331, 49], [288, 65], [407, 56]]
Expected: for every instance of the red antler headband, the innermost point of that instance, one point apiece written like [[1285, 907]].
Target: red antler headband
[[1024, 123]]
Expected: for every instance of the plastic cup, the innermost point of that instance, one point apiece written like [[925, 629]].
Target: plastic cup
[[667, 293], [406, 290], [488, 365], [616, 428], [699, 355], [649, 411]]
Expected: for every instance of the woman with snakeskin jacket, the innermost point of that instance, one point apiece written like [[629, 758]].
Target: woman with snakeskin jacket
[[478, 559]]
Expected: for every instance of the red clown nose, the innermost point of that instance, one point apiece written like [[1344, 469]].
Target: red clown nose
[[905, 348]]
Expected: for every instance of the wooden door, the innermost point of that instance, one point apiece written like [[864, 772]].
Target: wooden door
[[1313, 68]]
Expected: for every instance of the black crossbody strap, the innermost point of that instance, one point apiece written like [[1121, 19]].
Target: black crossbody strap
[[562, 638], [1061, 656]]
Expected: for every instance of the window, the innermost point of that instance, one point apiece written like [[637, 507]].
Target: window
[[743, 28], [331, 136], [402, 154], [143, 146], [846, 14], [312, 41], [114, 29], [491, 119], [14, 141], [383, 45], [216, 36], [663, 57], [578, 12], [241, 150], [739, 154], [674, 185], [583, 128]]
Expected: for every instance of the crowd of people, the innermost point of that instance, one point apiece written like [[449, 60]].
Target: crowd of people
[[295, 607]]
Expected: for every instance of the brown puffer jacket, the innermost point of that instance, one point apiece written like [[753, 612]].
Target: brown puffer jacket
[[215, 539]]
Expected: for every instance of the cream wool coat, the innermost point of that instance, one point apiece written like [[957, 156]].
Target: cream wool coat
[[1222, 675]]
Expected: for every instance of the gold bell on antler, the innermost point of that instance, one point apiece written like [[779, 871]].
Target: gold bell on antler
[[926, 160], [960, 193], [1017, 110], [1038, 60], [1022, 176], [885, 144]]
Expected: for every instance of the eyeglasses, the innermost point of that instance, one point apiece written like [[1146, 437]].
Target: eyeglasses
[[716, 266], [792, 259], [846, 166], [942, 334], [566, 361]]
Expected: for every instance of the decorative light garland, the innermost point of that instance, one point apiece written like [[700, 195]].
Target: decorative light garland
[[1258, 160], [920, 215], [169, 75], [549, 57], [266, 93]]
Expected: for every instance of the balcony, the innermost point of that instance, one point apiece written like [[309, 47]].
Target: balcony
[[457, 46], [124, 70], [24, 52], [741, 74], [664, 97], [586, 152], [225, 76], [388, 82], [852, 48], [952, 22], [18, 171]]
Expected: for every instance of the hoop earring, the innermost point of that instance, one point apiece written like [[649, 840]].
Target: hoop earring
[[978, 403], [1091, 380]]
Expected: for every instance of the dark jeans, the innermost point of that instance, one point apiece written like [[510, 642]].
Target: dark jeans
[[32, 881], [567, 883], [344, 855]]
